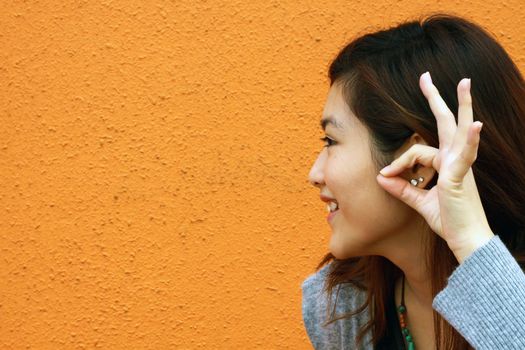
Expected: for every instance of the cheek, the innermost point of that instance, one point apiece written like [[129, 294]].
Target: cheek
[[338, 177], [369, 214], [366, 212]]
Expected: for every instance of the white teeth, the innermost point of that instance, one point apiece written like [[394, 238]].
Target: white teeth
[[333, 206]]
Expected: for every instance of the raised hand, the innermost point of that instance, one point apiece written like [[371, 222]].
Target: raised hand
[[452, 208]]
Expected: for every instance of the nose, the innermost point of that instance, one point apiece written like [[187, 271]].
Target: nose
[[316, 177]]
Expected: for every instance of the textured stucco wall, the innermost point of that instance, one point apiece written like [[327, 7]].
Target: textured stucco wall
[[154, 160]]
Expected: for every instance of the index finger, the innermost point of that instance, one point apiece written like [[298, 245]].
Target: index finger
[[446, 121]]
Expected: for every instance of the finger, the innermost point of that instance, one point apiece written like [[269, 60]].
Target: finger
[[403, 190], [465, 117], [446, 122], [468, 155], [418, 153]]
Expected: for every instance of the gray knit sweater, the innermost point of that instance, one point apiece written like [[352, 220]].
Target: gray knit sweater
[[484, 300]]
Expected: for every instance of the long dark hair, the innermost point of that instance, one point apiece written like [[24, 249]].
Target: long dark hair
[[380, 75]]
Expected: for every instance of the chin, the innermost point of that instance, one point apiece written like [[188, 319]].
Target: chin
[[338, 250], [342, 251]]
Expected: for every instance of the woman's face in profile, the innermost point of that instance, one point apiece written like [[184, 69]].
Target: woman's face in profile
[[368, 218]]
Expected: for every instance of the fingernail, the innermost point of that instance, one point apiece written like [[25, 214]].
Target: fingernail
[[427, 73], [385, 170], [480, 126], [468, 84]]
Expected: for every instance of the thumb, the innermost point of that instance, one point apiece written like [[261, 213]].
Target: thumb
[[402, 190]]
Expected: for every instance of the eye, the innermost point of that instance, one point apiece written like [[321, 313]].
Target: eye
[[327, 139]]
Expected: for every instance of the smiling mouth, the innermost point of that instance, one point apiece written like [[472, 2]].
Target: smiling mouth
[[332, 210], [332, 207]]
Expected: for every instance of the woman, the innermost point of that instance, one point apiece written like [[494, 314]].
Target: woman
[[429, 252]]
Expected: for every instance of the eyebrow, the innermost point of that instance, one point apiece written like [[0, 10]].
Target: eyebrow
[[330, 120]]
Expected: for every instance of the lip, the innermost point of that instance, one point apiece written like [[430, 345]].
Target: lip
[[331, 215], [327, 199]]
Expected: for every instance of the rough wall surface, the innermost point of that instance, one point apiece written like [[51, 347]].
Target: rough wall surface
[[154, 160]]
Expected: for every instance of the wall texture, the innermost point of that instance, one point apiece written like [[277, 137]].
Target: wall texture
[[154, 161]]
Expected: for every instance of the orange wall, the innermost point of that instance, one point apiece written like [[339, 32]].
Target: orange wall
[[154, 162]]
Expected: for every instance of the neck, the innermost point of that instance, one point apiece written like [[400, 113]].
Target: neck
[[407, 253], [418, 288]]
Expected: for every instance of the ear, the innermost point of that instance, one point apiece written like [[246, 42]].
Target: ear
[[418, 169]]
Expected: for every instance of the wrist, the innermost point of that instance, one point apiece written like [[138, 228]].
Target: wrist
[[464, 249]]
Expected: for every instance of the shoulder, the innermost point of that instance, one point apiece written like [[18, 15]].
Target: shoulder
[[313, 284], [313, 291], [341, 333]]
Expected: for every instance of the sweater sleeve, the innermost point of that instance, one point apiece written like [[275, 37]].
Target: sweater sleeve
[[484, 299]]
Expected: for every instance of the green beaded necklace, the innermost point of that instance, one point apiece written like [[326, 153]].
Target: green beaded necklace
[[402, 310]]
